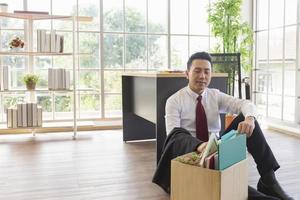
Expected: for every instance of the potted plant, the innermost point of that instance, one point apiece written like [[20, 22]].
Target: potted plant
[[30, 80], [232, 34]]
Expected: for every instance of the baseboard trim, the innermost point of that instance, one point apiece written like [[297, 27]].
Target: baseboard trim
[[284, 128]]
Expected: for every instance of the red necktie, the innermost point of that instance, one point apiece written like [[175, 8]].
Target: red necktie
[[201, 122]]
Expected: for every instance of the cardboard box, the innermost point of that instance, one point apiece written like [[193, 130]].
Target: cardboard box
[[189, 182]]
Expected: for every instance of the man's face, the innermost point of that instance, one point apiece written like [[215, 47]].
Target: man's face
[[199, 75]]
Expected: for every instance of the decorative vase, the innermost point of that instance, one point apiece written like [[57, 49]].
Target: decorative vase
[[30, 85]]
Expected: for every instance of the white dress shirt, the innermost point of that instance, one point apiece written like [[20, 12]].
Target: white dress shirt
[[181, 109]]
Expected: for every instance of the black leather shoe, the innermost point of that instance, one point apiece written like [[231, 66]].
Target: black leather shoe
[[274, 190], [253, 194]]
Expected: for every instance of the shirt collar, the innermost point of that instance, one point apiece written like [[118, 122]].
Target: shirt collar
[[193, 94]]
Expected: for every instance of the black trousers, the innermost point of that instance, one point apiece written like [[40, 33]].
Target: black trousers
[[258, 147]]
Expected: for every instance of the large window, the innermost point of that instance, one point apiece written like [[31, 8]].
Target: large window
[[276, 55], [125, 35]]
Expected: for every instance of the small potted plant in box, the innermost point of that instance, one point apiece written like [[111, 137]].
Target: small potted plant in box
[[30, 80]]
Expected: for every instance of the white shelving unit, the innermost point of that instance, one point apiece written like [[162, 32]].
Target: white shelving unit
[[30, 53]]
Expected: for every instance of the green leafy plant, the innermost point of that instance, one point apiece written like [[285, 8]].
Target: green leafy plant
[[232, 34], [30, 80]]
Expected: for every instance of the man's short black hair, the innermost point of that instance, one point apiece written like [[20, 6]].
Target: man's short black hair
[[199, 55]]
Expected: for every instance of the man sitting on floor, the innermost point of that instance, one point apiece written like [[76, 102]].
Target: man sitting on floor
[[193, 112]]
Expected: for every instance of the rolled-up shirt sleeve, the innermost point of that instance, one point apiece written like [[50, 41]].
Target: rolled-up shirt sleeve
[[172, 116], [230, 104]]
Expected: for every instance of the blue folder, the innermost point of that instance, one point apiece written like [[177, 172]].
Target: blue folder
[[229, 135], [232, 150]]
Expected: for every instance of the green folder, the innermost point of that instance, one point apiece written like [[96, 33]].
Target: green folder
[[232, 151]]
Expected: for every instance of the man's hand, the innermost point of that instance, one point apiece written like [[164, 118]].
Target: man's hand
[[201, 147], [247, 126]]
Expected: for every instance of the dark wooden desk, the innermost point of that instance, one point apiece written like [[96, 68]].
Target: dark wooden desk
[[144, 96]]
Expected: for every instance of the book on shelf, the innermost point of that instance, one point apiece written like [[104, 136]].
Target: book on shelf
[[52, 41], [31, 12], [38, 38], [4, 78], [42, 42], [61, 42], [68, 80], [29, 115], [58, 79], [50, 81], [46, 46], [49, 41], [14, 118], [63, 80], [19, 112], [9, 117], [34, 115], [24, 115], [39, 116]]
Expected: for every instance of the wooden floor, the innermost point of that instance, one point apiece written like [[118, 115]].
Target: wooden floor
[[98, 165]]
